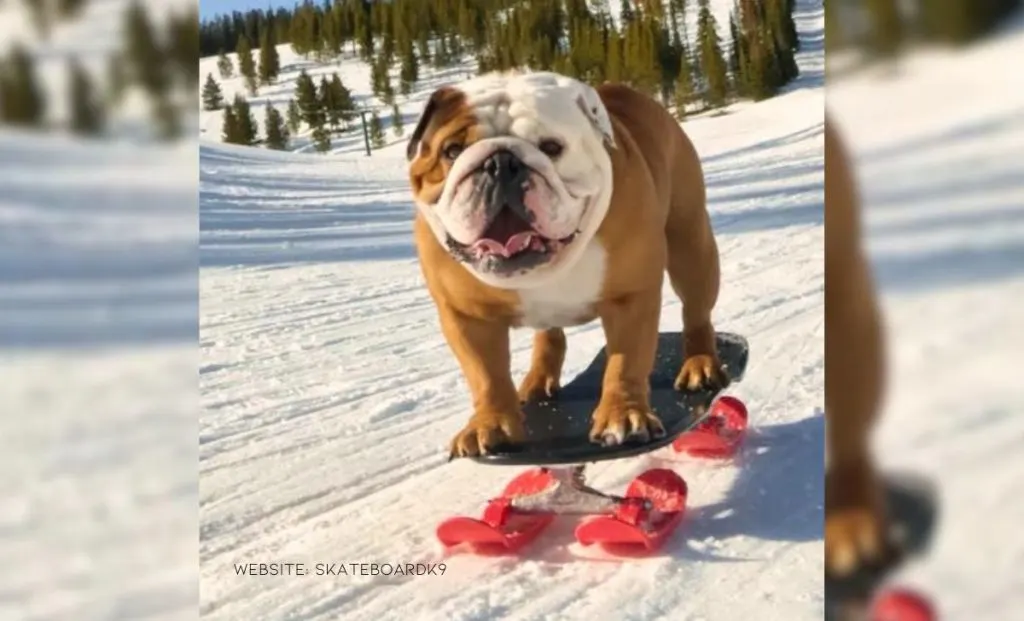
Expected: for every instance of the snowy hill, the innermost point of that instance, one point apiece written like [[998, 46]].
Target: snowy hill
[[329, 395], [356, 76]]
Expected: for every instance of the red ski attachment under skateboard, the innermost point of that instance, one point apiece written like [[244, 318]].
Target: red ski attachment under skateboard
[[719, 434], [636, 524], [901, 605], [502, 527]]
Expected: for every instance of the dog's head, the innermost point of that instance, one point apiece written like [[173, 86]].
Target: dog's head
[[512, 172]]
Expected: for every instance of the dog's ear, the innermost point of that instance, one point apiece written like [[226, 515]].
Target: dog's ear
[[589, 102], [437, 99]]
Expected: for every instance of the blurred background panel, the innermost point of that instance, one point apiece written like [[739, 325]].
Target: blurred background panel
[[98, 309], [929, 96]]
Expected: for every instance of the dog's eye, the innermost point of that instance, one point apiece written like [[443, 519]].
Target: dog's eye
[[452, 151], [551, 148]]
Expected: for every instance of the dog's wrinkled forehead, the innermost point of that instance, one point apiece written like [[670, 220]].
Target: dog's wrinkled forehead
[[524, 104]]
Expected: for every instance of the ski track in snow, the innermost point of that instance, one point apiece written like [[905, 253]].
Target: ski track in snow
[[329, 395]]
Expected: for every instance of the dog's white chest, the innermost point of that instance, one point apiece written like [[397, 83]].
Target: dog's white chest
[[570, 296]]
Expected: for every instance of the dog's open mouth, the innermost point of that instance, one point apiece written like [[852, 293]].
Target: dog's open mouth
[[508, 244]]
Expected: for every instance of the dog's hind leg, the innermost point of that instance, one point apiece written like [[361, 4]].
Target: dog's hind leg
[[542, 381]]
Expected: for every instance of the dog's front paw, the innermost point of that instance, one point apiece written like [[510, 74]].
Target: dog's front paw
[[853, 538], [702, 371], [486, 431], [855, 527], [613, 424]]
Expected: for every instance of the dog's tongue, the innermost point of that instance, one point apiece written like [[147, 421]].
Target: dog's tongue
[[507, 235], [515, 244]]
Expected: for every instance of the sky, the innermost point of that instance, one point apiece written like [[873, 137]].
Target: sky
[[212, 8]]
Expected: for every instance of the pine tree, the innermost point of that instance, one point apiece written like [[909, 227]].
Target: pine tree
[[380, 78], [396, 121], [321, 139], [117, 80], [40, 14], [270, 62], [757, 76], [342, 98], [21, 99], [212, 97], [962, 21], [363, 29], [331, 32], [423, 46], [736, 43], [613, 60], [275, 130], [147, 63], [86, 112], [626, 12], [300, 31], [376, 131], [70, 8], [712, 61], [409, 72], [682, 95], [225, 66], [792, 38], [183, 47], [835, 37], [167, 118], [294, 117], [244, 121], [229, 131], [777, 38], [306, 98], [886, 26], [246, 65], [328, 107]]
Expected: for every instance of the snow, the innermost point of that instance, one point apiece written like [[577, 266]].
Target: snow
[[98, 321], [329, 395]]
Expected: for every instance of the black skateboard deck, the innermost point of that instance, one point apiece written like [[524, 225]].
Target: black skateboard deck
[[912, 508], [557, 430]]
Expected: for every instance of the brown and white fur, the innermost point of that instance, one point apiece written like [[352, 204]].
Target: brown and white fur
[[607, 193]]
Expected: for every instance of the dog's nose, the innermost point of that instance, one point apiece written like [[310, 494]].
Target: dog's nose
[[504, 167]]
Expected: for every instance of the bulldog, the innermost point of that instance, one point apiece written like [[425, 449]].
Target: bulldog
[[544, 203], [854, 377]]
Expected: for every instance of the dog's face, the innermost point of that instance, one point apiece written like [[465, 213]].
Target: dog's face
[[512, 173]]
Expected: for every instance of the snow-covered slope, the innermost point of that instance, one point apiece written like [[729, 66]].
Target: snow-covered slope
[[356, 76], [98, 293], [329, 395], [97, 402]]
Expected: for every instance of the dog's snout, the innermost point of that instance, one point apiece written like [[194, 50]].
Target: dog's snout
[[504, 167]]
